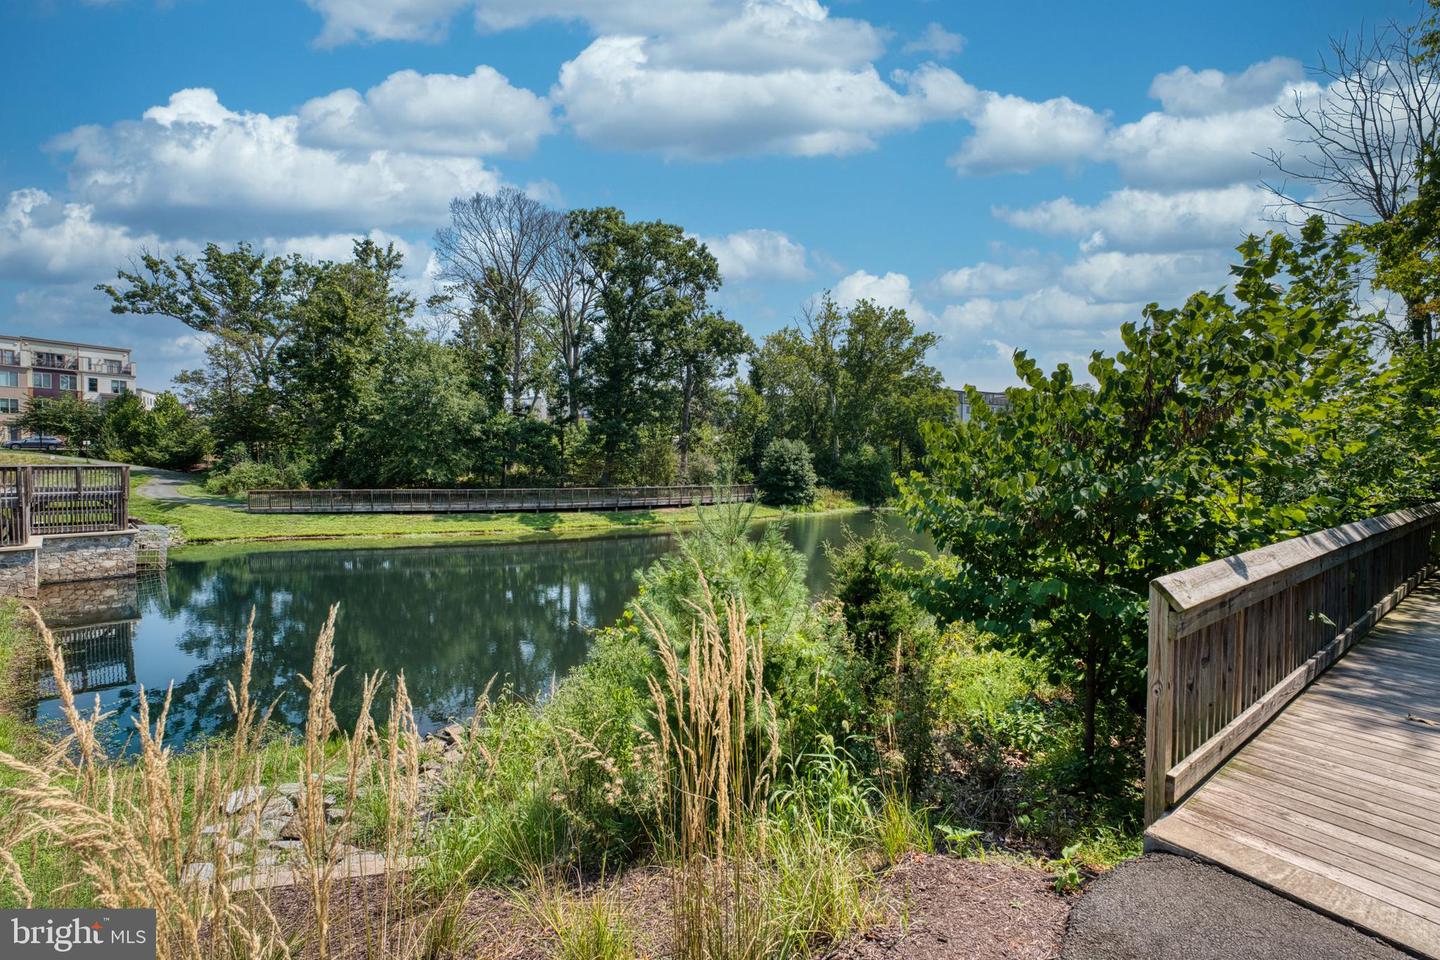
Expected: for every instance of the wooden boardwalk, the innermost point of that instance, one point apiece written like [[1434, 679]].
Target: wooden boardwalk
[[1336, 801]]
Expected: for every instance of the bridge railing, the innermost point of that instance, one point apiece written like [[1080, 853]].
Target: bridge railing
[[1234, 640], [498, 500], [41, 500]]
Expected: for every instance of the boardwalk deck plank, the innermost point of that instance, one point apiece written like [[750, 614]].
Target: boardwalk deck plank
[[1336, 802]]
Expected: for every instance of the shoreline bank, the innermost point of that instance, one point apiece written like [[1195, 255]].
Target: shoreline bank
[[210, 525]]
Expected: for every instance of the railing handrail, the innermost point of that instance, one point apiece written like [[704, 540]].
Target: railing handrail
[[43, 500], [1267, 659], [478, 499]]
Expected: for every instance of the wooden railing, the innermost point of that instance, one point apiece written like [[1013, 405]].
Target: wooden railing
[[44, 500], [513, 500], [1234, 640]]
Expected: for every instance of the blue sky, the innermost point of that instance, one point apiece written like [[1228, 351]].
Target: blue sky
[[1016, 175]]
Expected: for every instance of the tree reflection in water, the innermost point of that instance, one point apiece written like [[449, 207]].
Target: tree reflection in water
[[452, 617]]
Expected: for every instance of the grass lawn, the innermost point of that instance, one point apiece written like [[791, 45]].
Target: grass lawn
[[211, 523], [18, 650], [10, 458]]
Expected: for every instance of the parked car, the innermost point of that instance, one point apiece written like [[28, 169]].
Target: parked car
[[48, 444]]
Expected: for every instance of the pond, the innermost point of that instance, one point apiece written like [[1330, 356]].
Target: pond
[[450, 616]]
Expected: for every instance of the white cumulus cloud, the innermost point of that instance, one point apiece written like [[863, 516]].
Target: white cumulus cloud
[[42, 238], [1184, 92], [885, 290], [1015, 135], [936, 41], [194, 163], [430, 113], [759, 255], [1150, 220], [985, 279], [614, 96]]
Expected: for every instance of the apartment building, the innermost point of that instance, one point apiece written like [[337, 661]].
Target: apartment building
[[35, 367], [994, 399]]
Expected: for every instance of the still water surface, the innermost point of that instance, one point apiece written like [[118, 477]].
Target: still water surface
[[450, 616]]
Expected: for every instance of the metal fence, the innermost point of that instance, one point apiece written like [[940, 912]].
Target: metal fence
[[42, 500], [515, 500]]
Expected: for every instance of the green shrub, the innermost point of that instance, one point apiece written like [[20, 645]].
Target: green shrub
[[248, 475], [892, 636], [867, 474], [787, 474]]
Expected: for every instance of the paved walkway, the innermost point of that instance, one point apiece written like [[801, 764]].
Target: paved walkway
[[1171, 908]]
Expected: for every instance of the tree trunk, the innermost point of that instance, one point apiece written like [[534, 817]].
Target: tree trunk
[[1418, 320], [1092, 691], [687, 396], [516, 407]]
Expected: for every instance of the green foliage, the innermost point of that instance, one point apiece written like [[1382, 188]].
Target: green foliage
[[786, 477], [167, 435], [850, 378], [893, 638], [867, 474], [1198, 439], [78, 422], [248, 475], [1068, 878], [651, 281], [244, 303]]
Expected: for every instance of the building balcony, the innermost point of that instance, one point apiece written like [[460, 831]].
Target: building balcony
[[54, 361], [111, 369]]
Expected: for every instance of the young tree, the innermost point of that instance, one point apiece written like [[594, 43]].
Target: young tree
[[166, 436], [651, 280], [77, 421], [709, 349], [569, 326], [786, 477], [492, 253], [1199, 439], [334, 362], [244, 303], [848, 378]]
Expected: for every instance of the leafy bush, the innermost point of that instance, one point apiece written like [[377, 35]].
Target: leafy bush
[[787, 474], [867, 474], [249, 475], [892, 636], [166, 436]]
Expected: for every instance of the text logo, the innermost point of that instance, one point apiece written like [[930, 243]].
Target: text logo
[[81, 934]]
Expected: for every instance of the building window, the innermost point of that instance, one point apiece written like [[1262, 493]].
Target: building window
[[9, 405], [117, 386], [38, 379], [9, 378], [67, 381], [93, 385], [10, 358]]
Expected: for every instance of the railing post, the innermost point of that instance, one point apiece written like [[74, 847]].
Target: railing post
[[22, 494], [124, 497], [1160, 706]]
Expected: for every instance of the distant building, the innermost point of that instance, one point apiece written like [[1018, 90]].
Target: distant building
[[147, 398], [994, 399], [35, 367]]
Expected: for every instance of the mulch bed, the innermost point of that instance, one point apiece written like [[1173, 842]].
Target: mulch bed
[[936, 907], [942, 907]]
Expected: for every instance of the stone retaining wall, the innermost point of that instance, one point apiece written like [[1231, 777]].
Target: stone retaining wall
[[66, 558], [19, 574], [70, 557]]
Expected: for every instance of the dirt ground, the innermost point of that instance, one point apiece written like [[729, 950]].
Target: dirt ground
[[942, 907], [935, 907]]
